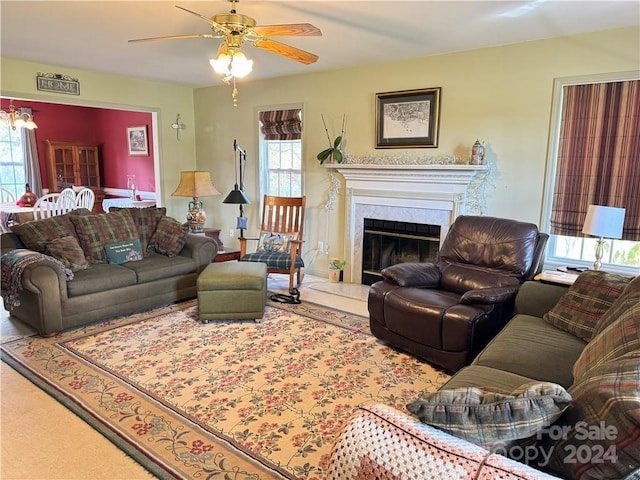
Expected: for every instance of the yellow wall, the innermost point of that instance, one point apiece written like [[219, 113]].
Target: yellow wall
[[18, 80], [500, 95]]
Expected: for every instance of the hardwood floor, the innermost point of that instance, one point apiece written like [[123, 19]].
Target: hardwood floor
[[41, 439]]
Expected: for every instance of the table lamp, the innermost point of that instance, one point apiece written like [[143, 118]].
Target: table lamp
[[603, 222], [195, 184]]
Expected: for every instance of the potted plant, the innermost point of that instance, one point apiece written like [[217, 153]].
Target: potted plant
[[333, 153], [335, 270]]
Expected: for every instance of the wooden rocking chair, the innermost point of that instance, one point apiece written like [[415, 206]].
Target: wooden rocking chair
[[280, 241]]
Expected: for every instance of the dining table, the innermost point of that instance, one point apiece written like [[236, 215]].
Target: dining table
[[12, 213]]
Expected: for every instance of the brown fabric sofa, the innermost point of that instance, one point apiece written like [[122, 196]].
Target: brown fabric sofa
[[445, 312], [50, 297], [584, 339]]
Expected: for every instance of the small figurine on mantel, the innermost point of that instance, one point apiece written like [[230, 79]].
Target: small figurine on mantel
[[477, 153]]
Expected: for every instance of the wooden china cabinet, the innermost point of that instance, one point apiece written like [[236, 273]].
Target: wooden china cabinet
[[70, 163]]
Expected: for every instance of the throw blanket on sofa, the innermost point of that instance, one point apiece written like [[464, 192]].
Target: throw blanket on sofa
[[12, 264]]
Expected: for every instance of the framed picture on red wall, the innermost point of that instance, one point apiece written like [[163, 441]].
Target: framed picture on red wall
[[137, 140]]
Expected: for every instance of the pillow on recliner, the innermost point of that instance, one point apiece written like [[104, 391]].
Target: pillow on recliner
[[492, 418]]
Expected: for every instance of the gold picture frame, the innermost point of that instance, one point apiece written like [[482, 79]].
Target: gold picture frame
[[408, 118]]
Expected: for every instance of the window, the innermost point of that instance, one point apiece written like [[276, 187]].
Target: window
[[281, 152], [13, 175], [284, 168], [593, 162]]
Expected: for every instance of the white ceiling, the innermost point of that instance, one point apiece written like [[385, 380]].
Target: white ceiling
[[93, 35]]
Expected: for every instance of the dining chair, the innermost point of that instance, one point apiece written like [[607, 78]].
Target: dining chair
[[6, 196], [85, 198], [53, 204], [69, 192]]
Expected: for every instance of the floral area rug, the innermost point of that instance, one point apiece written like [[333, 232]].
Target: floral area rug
[[229, 399]]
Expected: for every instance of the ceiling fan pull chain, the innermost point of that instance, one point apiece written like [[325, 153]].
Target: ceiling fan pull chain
[[234, 94]]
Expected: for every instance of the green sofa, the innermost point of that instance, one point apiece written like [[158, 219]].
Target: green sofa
[[51, 285], [556, 394]]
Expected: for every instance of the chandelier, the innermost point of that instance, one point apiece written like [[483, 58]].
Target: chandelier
[[232, 63], [17, 118]]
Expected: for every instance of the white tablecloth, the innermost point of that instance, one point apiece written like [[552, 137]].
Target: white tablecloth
[[9, 211], [107, 203]]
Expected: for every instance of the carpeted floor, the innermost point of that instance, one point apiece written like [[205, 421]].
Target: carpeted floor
[[232, 399]]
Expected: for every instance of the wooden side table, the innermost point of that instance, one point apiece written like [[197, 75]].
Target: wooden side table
[[222, 255], [553, 276], [226, 256], [215, 234]]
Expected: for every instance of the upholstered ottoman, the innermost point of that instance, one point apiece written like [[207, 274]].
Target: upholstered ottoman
[[232, 290]]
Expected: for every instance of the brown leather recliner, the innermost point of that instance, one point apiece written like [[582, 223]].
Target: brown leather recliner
[[445, 312]]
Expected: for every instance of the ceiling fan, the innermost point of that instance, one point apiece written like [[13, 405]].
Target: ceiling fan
[[236, 28]]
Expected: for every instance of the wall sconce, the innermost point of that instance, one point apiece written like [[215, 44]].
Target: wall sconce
[[178, 126]]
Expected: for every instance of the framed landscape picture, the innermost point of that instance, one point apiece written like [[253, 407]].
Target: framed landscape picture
[[408, 118], [137, 140]]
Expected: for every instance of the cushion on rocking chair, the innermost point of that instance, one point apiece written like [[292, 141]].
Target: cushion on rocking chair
[[275, 259]]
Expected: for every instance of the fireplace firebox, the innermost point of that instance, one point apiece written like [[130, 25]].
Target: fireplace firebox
[[387, 242]]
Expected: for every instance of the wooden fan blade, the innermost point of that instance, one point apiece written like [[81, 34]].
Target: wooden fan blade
[[285, 50], [213, 24], [175, 37], [288, 30]]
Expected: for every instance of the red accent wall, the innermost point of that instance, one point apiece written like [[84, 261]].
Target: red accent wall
[[68, 123]]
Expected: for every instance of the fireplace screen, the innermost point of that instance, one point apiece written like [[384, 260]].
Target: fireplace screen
[[386, 243]]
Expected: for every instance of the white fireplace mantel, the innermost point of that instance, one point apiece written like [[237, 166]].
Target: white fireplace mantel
[[431, 194]]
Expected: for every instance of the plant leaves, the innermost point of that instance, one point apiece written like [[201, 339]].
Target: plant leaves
[[337, 155], [337, 141], [323, 155]]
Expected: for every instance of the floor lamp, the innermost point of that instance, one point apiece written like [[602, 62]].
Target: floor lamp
[[237, 195], [603, 222]]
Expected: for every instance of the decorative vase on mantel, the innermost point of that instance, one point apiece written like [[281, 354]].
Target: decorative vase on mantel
[[477, 154]]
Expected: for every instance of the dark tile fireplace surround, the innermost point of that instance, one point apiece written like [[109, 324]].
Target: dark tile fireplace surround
[[387, 242]]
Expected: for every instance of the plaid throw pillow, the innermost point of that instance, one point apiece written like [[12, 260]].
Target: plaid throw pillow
[[620, 337], [489, 417], [95, 231], [68, 251], [630, 293], [600, 439], [169, 237], [36, 235], [580, 309], [146, 221]]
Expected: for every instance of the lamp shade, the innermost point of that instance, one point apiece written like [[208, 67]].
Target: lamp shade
[[195, 184], [236, 196], [604, 221]]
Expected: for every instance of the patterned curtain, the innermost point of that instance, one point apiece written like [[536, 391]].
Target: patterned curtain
[[598, 155], [281, 124]]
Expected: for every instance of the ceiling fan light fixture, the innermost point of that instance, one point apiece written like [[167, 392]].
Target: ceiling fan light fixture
[[232, 64], [240, 65], [221, 64]]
